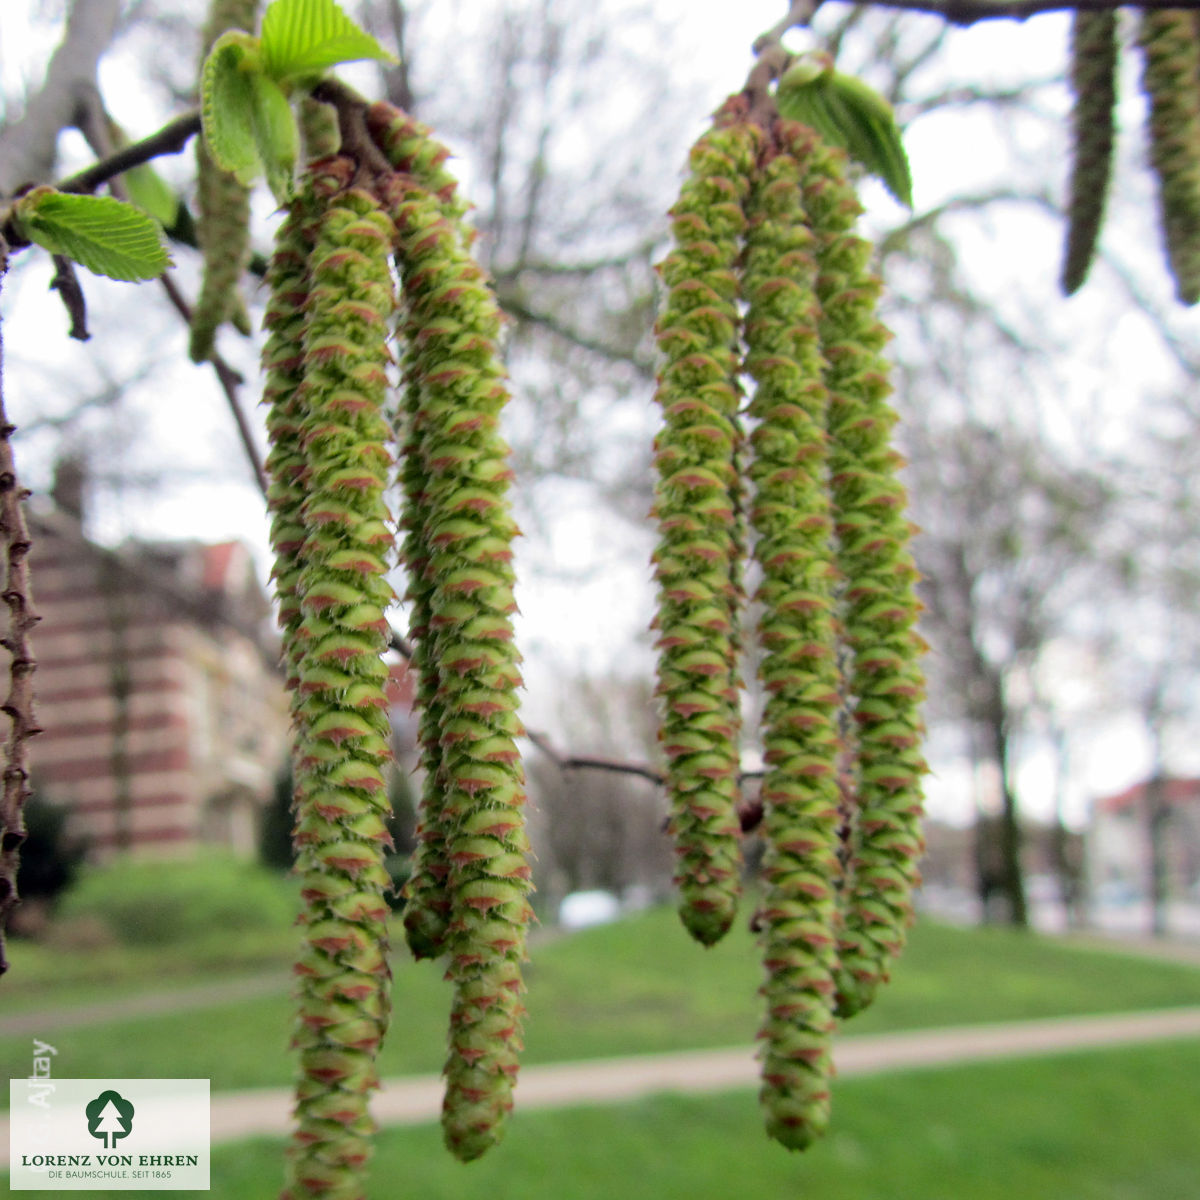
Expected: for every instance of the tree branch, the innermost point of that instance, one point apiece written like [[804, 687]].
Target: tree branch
[[522, 312], [66, 284], [18, 705], [800, 12], [28, 147], [970, 12], [170, 139], [230, 381]]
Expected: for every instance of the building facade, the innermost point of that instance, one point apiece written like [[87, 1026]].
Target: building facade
[[158, 689], [1120, 838]]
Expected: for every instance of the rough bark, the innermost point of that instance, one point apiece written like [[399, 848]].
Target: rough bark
[[18, 705]]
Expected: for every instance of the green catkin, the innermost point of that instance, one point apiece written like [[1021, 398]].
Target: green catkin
[[283, 362], [426, 896], [1094, 85], [319, 131], [341, 724], [1171, 82], [223, 214], [790, 516], [412, 151], [877, 582], [698, 505], [456, 390]]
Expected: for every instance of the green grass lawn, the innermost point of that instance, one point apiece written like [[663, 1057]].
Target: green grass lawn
[[637, 986], [1107, 1125], [47, 976]]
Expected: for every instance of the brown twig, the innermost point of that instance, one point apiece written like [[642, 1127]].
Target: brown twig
[[750, 813], [970, 12], [230, 381], [66, 284], [170, 139], [94, 125], [18, 705], [800, 12], [357, 142]]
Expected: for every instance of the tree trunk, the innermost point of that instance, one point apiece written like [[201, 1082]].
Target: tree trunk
[[1010, 882], [1065, 852], [1158, 818], [29, 145]]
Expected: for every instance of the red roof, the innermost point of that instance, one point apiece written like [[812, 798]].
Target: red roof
[[217, 560], [1177, 791]]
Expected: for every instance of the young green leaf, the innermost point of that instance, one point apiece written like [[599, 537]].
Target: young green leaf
[[150, 192], [275, 134], [98, 232], [848, 113], [305, 37], [872, 115], [146, 187], [227, 104]]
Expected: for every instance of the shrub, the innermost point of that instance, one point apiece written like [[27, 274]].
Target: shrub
[[50, 858], [157, 903]]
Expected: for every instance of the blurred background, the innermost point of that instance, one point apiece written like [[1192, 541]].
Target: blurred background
[[1051, 450]]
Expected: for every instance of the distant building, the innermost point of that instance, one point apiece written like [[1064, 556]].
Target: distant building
[[158, 688], [1119, 839]]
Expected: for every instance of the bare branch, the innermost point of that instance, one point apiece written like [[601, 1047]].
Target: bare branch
[[95, 128], [230, 381], [970, 12], [18, 705], [522, 312], [398, 78], [66, 284], [799, 13], [170, 139], [28, 146], [611, 262]]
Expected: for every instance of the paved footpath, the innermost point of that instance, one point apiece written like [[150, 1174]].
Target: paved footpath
[[265, 1111]]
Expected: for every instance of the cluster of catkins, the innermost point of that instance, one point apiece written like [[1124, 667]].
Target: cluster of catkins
[[768, 289], [1170, 45], [373, 254]]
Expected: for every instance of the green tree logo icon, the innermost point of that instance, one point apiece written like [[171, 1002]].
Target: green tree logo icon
[[109, 1117]]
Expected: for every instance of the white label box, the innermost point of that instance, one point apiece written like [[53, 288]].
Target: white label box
[[108, 1134]]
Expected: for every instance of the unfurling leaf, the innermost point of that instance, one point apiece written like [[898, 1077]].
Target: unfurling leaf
[[150, 192], [848, 113], [147, 189], [105, 235], [227, 103], [275, 135], [305, 37]]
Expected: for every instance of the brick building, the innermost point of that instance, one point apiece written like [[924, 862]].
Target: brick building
[[157, 686], [1120, 851]]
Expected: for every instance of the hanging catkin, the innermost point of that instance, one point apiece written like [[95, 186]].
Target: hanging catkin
[[790, 518], [1171, 81], [414, 153], [341, 723], [222, 213], [876, 580], [697, 503], [1094, 86], [456, 390]]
